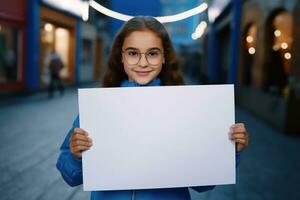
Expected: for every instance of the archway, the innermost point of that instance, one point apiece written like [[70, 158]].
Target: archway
[[278, 53]]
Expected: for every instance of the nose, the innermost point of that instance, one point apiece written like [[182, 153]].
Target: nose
[[143, 61]]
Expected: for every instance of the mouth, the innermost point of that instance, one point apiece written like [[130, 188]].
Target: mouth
[[142, 73]]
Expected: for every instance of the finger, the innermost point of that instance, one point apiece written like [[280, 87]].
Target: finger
[[238, 129], [81, 143], [82, 138], [237, 125], [80, 131], [238, 136], [77, 143], [80, 149], [241, 141]]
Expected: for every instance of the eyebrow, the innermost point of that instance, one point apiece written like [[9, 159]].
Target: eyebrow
[[153, 48]]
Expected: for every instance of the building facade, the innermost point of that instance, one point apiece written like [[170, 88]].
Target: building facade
[[258, 53], [269, 65], [31, 31], [12, 44]]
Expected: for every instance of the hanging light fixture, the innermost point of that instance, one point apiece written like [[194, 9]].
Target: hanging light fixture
[[163, 19]]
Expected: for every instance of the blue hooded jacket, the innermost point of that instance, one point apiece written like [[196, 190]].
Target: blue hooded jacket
[[71, 170]]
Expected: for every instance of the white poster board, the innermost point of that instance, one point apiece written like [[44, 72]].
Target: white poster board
[[158, 137]]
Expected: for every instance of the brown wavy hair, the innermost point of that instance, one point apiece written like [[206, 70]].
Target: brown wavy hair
[[115, 74]]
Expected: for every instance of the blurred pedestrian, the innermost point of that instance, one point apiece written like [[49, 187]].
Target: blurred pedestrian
[[55, 67]]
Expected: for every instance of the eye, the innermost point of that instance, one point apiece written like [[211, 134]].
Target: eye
[[132, 53], [153, 53]]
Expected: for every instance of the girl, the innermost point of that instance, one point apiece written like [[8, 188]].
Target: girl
[[142, 55]]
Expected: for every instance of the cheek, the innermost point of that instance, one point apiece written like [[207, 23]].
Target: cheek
[[127, 69], [159, 69]]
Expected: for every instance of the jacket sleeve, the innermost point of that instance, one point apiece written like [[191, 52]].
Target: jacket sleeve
[[210, 187], [69, 166]]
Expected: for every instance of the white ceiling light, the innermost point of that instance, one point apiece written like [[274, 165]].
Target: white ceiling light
[[76, 7], [199, 30], [85, 11], [163, 19]]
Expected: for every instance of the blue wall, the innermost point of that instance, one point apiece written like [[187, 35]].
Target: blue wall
[[133, 7], [213, 57], [235, 41], [32, 45], [181, 31]]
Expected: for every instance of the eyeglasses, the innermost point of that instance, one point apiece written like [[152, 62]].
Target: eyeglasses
[[133, 56]]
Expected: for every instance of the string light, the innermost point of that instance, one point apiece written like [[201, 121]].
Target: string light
[[251, 50], [284, 45], [287, 55], [249, 39], [276, 47], [277, 33], [48, 27]]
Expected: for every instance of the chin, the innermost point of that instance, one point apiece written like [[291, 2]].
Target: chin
[[143, 81]]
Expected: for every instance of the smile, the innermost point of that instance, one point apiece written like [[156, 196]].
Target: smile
[[142, 73]]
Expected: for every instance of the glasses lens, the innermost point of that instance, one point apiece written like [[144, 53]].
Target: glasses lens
[[154, 57], [132, 56]]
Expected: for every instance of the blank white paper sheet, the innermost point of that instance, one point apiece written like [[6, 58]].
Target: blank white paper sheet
[[158, 137]]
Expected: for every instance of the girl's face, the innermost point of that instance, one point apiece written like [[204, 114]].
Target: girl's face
[[142, 56]]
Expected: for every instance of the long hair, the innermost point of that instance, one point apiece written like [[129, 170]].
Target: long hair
[[115, 74]]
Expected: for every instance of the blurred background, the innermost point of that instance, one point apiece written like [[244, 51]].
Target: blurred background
[[252, 44]]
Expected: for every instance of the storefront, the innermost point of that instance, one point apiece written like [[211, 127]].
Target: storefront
[[268, 82], [48, 26], [262, 58], [12, 34], [57, 34]]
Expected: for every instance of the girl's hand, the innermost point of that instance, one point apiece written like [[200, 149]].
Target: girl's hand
[[79, 142], [239, 134]]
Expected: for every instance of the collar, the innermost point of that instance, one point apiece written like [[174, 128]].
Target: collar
[[154, 82]]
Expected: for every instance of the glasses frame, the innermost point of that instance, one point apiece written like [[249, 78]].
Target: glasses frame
[[140, 56]]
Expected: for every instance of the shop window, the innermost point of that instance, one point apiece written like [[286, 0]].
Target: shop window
[[10, 55], [54, 39], [62, 45], [87, 60], [87, 52], [249, 52], [279, 68]]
